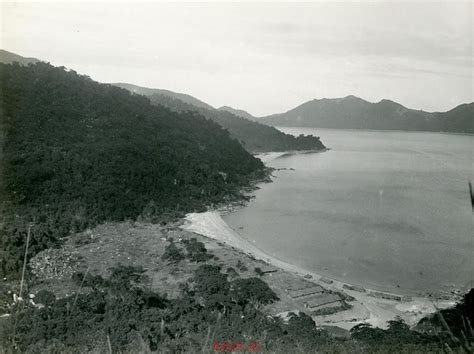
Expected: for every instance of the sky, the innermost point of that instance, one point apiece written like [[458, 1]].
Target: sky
[[263, 57]]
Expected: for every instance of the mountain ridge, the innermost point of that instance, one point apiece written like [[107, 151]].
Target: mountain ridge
[[254, 136], [238, 112], [145, 91], [7, 57], [352, 112]]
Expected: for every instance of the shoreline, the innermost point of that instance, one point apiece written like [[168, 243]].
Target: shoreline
[[378, 130], [272, 155], [366, 308]]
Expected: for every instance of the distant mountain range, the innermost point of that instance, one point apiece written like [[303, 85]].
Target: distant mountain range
[[338, 113], [7, 57], [355, 113], [253, 136]]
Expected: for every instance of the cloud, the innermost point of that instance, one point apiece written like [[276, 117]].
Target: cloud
[[258, 56]]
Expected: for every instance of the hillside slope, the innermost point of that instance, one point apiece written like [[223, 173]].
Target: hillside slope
[[238, 112], [77, 153], [355, 113], [7, 57], [253, 136], [145, 91], [458, 119]]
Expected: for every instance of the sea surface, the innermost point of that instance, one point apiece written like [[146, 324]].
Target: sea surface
[[386, 210]]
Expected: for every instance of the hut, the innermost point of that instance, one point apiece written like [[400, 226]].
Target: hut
[[324, 299], [294, 294], [326, 280], [354, 288], [268, 270], [385, 296]]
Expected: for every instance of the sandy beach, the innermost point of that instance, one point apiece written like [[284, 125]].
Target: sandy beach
[[366, 309]]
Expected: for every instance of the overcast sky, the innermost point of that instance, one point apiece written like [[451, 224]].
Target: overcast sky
[[262, 57]]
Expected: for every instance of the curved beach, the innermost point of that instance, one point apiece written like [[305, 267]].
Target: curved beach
[[366, 309]]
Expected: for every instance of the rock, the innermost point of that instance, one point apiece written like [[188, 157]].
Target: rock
[[54, 264]]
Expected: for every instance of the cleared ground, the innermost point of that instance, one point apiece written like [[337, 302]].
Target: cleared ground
[[137, 244]]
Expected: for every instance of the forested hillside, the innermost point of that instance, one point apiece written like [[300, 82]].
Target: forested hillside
[[77, 153], [253, 136], [145, 91], [238, 112]]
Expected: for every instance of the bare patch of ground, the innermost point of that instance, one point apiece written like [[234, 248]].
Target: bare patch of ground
[[98, 250]]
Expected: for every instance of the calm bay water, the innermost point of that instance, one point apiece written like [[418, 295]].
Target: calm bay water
[[385, 210]]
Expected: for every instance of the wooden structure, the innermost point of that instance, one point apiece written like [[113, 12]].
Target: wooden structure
[[317, 301], [294, 294]]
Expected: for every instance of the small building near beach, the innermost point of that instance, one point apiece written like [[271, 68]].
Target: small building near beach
[[294, 294], [326, 280], [385, 296], [268, 270], [354, 288], [317, 301]]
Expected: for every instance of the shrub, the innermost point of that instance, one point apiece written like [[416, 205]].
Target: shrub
[[45, 298], [173, 254], [232, 272], [241, 266], [196, 250], [252, 290]]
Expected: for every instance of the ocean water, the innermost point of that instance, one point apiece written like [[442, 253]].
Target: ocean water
[[385, 210]]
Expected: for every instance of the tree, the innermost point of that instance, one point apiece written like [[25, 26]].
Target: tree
[[366, 333], [252, 290], [397, 325], [197, 252], [172, 253], [241, 266], [232, 272], [212, 285]]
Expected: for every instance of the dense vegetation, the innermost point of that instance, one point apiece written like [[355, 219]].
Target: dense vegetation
[[253, 136], [212, 313], [76, 153], [455, 325], [238, 112], [355, 113], [182, 97], [122, 312], [195, 252]]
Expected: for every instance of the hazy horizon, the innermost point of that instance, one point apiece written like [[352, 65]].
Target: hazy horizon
[[260, 57]]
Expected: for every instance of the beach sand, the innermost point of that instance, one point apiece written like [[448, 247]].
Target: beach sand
[[366, 309]]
